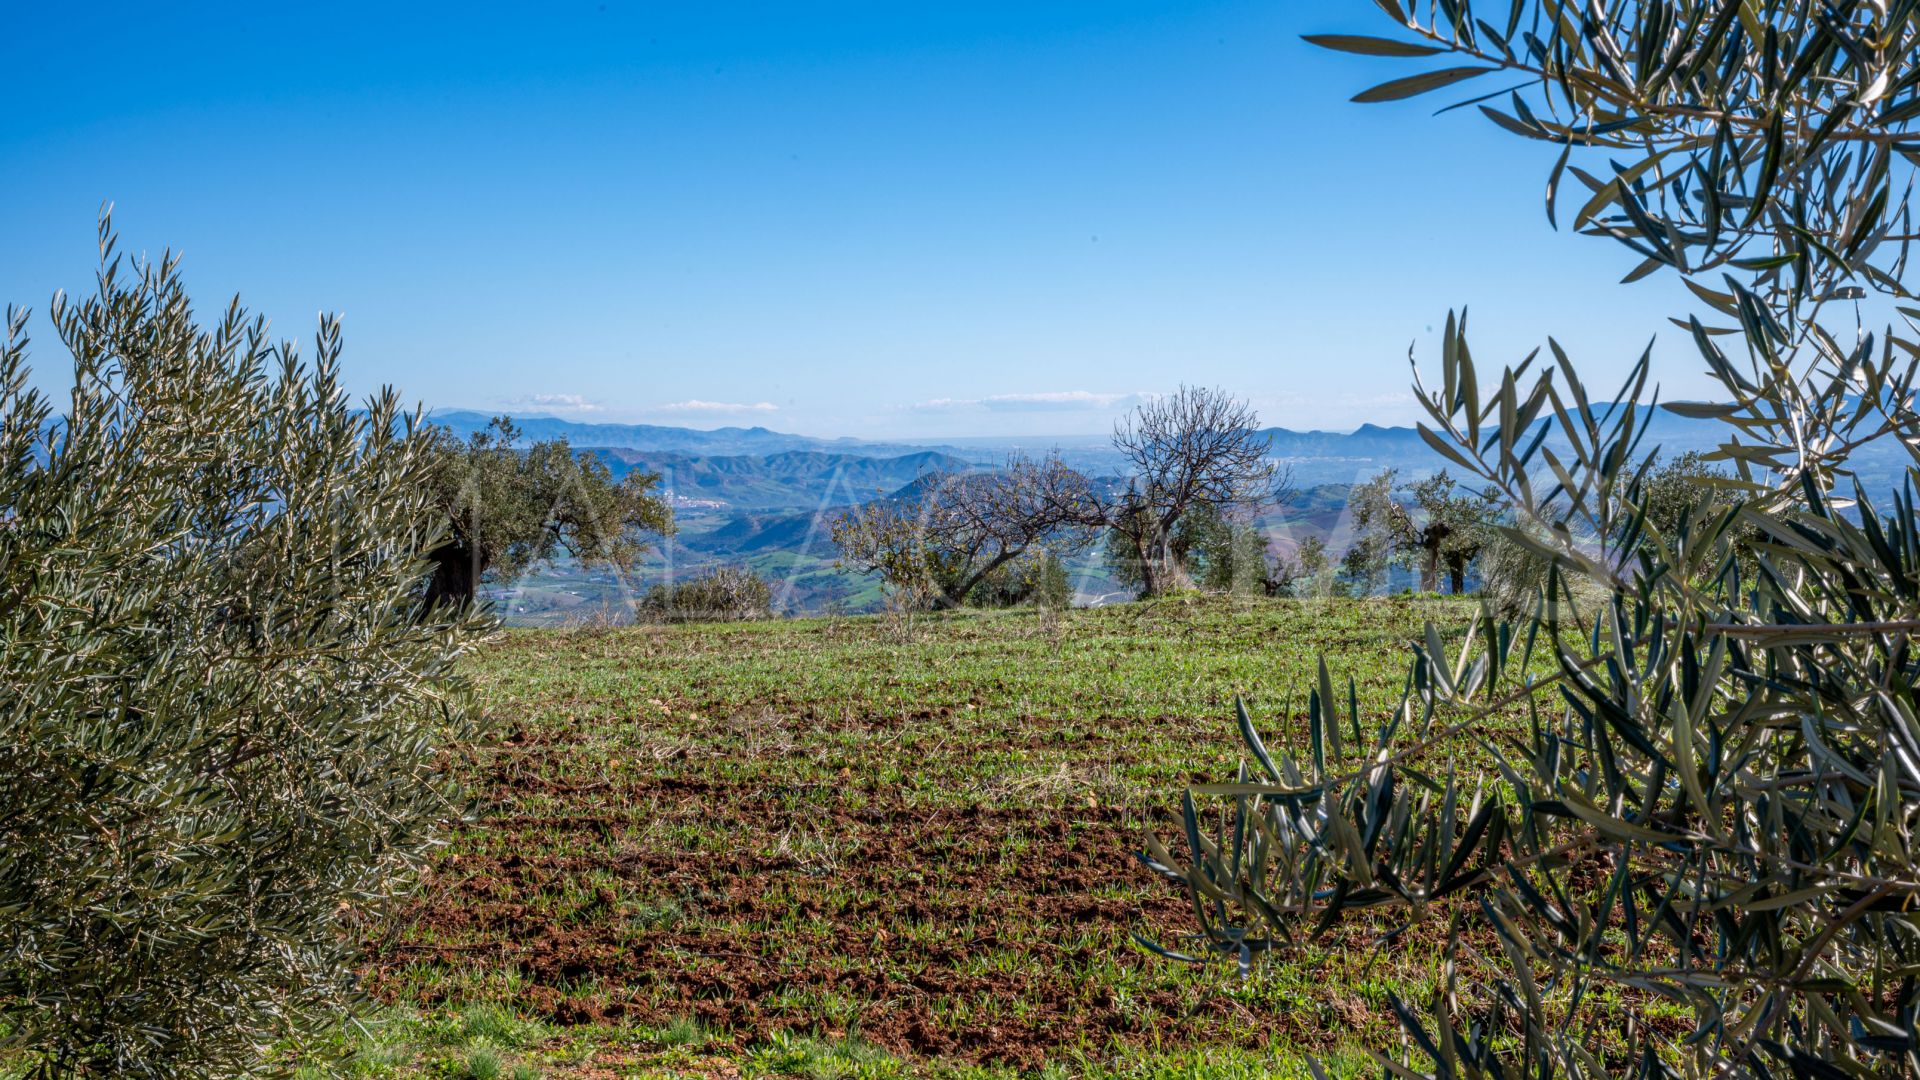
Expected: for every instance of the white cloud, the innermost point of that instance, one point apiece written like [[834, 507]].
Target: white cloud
[[696, 405], [557, 403], [1049, 401]]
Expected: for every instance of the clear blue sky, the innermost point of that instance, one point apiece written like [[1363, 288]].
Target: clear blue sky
[[869, 219]]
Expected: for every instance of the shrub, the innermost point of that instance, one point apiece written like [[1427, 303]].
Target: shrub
[[1514, 575], [1308, 573], [724, 594], [225, 705]]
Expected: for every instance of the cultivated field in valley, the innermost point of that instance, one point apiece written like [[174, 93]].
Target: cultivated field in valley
[[871, 847]]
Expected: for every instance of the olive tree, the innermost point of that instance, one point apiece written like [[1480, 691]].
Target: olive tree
[[224, 717], [1232, 555], [1182, 556], [1308, 572], [1372, 546], [1709, 799], [1220, 552], [1429, 525], [511, 508]]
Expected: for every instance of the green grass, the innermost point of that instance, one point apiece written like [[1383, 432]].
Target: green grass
[[874, 847]]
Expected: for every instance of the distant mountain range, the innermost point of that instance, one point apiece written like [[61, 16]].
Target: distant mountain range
[[656, 437], [718, 456], [789, 479], [766, 499], [760, 468]]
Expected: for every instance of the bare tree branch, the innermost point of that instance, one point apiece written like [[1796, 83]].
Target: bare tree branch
[[1195, 447]]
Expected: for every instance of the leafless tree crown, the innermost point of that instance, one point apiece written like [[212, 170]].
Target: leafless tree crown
[[1195, 447]]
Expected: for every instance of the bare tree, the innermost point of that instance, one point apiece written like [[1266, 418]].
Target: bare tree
[[939, 545], [1197, 447]]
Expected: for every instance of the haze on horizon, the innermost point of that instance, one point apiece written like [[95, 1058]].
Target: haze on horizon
[[994, 220]]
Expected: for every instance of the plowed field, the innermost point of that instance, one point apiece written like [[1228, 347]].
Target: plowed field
[[919, 837]]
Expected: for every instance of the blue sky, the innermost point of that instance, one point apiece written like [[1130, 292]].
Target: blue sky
[[862, 219]]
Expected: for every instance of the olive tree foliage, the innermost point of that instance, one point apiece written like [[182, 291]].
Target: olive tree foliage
[[1211, 550], [1182, 550], [1431, 525], [1705, 798], [1232, 555], [1513, 574], [1674, 488], [1037, 579], [1308, 572], [1768, 139], [1197, 450], [957, 532], [1371, 552], [510, 508], [224, 712]]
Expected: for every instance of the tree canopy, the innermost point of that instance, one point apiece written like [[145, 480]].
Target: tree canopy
[[510, 508], [225, 717], [1763, 140], [1430, 525]]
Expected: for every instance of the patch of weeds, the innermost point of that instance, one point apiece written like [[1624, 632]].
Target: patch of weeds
[[818, 1059], [1214, 1063], [376, 1046], [489, 1023], [481, 1064], [682, 1032], [661, 916]]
